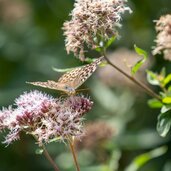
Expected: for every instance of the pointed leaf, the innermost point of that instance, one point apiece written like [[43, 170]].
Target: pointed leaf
[[154, 103], [164, 123], [167, 79], [63, 70], [166, 100], [137, 66], [140, 51], [98, 49], [110, 41], [152, 78], [142, 159], [89, 60]]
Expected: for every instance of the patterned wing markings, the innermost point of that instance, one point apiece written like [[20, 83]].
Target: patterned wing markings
[[49, 84], [71, 80]]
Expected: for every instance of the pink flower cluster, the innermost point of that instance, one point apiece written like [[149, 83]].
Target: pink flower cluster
[[92, 21], [44, 117], [163, 39]]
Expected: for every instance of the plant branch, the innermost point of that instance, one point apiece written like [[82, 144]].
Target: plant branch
[[71, 144], [48, 157], [140, 84]]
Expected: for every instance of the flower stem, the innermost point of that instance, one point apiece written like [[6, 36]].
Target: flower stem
[[71, 144], [140, 84], [49, 158]]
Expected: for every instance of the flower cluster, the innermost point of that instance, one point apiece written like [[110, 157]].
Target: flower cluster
[[96, 133], [44, 117], [163, 41], [93, 21]]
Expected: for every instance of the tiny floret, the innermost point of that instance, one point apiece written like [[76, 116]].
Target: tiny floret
[[163, 40], [91, 22], [44, 117]]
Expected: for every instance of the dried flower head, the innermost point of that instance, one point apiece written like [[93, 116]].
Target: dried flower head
[[13, 11], [124, 58], [163, 40], [44, 117], [92, 22], [96, 133]]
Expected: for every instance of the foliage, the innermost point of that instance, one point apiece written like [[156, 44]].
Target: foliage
[[31, 44], [142, 159], [137, 66], [164, 118]]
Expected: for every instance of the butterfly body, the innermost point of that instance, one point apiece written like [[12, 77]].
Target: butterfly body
[[71, 80]]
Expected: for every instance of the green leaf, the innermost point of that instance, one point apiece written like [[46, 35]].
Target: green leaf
[[152, 78], [142, 159], [154, 103], [39, 151], [142, 53], [167, 79], [63, 70], [166, 100], [169, 89], [164, 123], [89, 60], [110, 41], [98, 49]]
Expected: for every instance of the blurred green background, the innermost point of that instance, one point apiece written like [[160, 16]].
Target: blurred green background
[[32, 42]]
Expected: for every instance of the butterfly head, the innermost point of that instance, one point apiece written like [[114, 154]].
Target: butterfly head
[[65, 88], [69, 90]]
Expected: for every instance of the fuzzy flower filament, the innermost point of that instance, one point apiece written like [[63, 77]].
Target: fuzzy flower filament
[[44, 117], [163, 39], [92, 22]]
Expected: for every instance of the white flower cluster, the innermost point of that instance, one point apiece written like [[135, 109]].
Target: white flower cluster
[[91, 22], [163, 40]]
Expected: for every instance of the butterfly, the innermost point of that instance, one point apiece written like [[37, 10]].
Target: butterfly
[[71, 80]]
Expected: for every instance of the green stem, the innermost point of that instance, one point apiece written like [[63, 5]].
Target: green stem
[[140, 84], [71, 144], [48, 157]]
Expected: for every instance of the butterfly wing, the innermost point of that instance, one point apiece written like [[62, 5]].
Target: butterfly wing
[[69, 77], [49, 84], [86, 71], [72, 79], [78, 76]]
